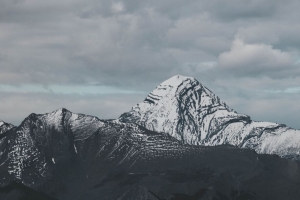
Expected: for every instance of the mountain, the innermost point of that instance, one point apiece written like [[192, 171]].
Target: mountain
[[188, 111], [41, 142], [64, 155], [5, 126]]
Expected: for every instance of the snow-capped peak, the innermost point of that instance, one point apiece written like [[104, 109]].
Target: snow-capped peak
[[175, 81], [176, 107], [170, 88], [60, 111], [180, 86], [188, 111]]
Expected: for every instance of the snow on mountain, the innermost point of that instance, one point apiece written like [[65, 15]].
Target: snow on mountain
[[185, 109], [75, 156], [43, 142], [5, 126]]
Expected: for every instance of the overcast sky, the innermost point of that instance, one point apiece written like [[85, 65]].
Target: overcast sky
[[102, 57]]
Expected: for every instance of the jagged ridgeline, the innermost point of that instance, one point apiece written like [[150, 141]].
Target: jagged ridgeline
[[188, 111], [161, 149], [5, 126]]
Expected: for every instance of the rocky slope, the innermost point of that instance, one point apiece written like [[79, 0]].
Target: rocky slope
[[5, 126], [188, 111], [64, 155]]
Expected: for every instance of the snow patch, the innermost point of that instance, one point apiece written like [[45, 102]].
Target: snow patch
[[75, 148]]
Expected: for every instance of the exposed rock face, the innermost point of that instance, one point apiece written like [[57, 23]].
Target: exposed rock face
[[67, 156], [5, 126], [190, 112], [43, 142]]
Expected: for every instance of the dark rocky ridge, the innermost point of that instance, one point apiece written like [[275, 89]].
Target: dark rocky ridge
[[74, 156]]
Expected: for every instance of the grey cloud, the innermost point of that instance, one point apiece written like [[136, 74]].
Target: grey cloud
[[284, 36], [256, 60], [80, 42], [199, 32], [236, 10], [90, 50]]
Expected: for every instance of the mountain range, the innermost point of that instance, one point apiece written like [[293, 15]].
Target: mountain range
[[188, 111], [181, 142]]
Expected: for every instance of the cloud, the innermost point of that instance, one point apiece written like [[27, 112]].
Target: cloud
[[199, 32], [120, 43], [256, 60], [117, 7], [284, 35], [76, 50]]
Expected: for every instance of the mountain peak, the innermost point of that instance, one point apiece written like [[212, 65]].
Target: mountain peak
[[176, 80], [177, 87], [61, 110], [175, 107], [190, 112]]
